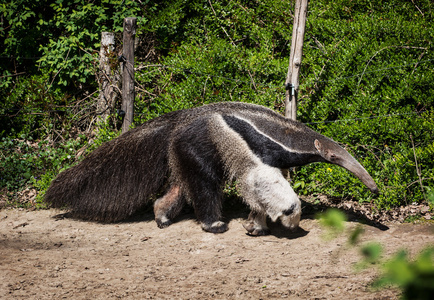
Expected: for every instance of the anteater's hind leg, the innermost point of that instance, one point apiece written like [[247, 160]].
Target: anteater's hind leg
[[168, 207]]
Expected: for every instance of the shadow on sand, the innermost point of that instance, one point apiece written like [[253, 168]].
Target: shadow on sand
[[235, 208]]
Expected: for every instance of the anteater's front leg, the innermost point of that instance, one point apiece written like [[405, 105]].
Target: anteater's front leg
[[204, 188], [197, 169], [256, 224]]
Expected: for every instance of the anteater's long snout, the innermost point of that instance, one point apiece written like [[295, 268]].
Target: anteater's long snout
[[352, 165]]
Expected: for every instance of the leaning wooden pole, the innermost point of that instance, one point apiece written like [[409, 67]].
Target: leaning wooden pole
[[292, 78], [128, 73]]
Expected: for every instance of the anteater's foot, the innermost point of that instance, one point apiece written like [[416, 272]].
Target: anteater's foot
[[254, 229], [163, 222], [216, 227]]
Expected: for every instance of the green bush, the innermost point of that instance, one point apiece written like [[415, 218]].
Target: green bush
[[366, 82], [25, 162], [366, 77]]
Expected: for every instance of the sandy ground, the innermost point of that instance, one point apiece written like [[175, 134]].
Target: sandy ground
[[42, 257]]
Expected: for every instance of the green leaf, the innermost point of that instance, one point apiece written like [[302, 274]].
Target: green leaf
[[333, 219], [372, 252]]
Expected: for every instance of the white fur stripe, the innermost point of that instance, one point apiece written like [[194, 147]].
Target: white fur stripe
[[290, 150]]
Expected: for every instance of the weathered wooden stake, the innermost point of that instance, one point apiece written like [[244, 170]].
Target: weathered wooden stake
[[128, 72], [107, 92], [292, 78]]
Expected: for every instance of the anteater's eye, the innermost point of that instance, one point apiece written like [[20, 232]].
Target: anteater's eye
[[288, 211]]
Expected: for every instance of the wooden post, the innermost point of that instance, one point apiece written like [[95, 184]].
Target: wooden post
[[107, 92], [292, 78], [128, 72]]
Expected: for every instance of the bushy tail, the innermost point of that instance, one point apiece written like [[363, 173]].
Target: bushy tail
[[117, 179]]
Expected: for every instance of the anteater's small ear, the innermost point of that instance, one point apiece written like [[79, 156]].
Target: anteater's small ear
[[318, 145]]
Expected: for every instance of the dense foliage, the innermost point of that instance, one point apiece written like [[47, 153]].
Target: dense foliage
[[366, 81]]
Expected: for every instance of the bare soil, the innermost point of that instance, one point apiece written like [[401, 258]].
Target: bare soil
[[43, 257]]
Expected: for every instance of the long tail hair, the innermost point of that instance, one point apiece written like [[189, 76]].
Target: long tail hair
[[119, 177]]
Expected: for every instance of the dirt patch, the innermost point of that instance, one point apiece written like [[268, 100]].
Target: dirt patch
[[42, 257]]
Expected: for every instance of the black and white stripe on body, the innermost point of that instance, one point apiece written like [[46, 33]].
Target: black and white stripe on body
[[269, 149]]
